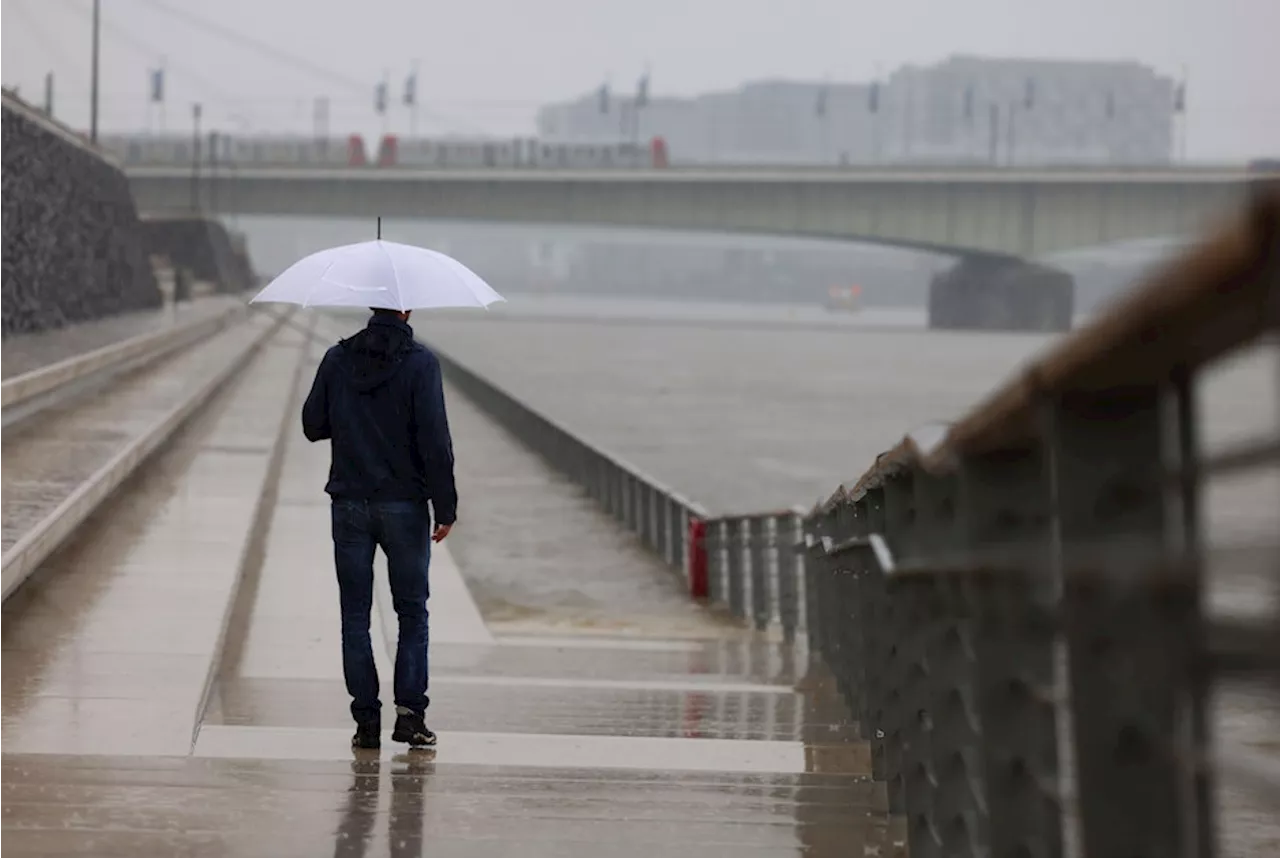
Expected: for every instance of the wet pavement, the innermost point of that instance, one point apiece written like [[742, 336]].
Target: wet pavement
[[49, 456], [109, 646], [584, 706], [23, 353]]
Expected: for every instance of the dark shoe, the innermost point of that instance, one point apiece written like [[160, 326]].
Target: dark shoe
[[411, 727], [367, 736]]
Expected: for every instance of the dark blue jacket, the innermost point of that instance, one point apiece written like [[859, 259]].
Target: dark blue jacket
[[378, 396]]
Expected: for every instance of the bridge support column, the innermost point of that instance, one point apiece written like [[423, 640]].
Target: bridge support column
[[1001, 293]]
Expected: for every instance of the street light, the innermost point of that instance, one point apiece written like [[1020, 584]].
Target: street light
[[1028, 102], [213, 172], [195, 157], [93, 78]]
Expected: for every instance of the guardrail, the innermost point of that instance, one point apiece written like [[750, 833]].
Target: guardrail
[[755, 571], [1039, 565]]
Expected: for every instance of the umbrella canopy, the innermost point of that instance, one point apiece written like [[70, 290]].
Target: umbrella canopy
[[380, 274]]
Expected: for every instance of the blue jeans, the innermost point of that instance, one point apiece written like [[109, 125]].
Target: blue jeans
[[402, 529]]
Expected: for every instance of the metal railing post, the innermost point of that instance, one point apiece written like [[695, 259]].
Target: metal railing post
[[758, 552], [958, 801], [677, 530], [633, 504], [815, 570], [842, 603], [879, 652], [1006, 508], [717, 561], [655, 520], [1131, 622], [735, 567], [790, 579], [911, 736]]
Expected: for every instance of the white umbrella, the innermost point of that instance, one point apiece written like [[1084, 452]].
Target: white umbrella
[[379, 274]]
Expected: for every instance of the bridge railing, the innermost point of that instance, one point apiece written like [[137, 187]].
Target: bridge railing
[[1037, 571]]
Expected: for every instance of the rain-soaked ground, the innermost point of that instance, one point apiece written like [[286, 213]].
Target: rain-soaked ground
[[584, 705]]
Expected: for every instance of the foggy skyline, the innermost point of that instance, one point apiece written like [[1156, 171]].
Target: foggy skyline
[[486, 67]]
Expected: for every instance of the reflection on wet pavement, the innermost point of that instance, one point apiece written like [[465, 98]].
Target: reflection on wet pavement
[[676, 734], [503, 707], [408, 804]]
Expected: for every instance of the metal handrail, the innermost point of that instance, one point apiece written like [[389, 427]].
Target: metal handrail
[[1061, 515]]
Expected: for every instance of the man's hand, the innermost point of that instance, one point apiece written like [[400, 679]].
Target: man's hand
[[441, 531]]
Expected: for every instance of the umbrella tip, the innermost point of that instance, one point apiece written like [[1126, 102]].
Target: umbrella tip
[[379, 229]]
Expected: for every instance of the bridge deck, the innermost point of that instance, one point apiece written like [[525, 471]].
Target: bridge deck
[[584, 706]]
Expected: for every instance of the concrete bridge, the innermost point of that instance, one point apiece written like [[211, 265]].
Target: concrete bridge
[[965, 212]]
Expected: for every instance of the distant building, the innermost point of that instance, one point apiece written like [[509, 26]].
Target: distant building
[[777, 122], [1030, 112], [963, 110]]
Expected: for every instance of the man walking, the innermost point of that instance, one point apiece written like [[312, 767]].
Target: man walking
[[379, 399]]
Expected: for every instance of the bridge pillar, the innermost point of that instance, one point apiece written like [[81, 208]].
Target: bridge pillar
[[1001, 293]]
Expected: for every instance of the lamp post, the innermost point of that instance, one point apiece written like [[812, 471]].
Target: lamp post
[[993, 123], [824, 125], [641, 101], [93, 77], [214, 139], [195, 157], [1028, 102]]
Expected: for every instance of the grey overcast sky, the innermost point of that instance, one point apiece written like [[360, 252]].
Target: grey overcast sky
[[487, 64]]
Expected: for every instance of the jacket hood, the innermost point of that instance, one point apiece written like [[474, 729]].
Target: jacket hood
[[373, 356]]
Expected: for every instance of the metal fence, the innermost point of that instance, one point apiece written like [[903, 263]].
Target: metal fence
[[1038, 572], [755, 570]]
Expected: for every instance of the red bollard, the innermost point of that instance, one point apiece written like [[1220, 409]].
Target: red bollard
[[697, 558]]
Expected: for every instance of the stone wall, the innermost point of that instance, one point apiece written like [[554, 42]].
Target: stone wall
[[202, 246], [73, 247]]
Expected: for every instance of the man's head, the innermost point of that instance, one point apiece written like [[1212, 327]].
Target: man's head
[[402, 315]]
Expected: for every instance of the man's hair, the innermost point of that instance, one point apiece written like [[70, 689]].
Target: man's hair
[[384, 311]]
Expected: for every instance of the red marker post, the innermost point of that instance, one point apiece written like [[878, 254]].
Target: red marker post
[[698, 558]]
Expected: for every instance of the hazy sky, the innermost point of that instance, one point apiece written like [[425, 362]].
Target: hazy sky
[[487, 64]]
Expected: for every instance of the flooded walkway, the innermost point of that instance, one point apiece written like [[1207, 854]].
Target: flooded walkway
[[173, 686]]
